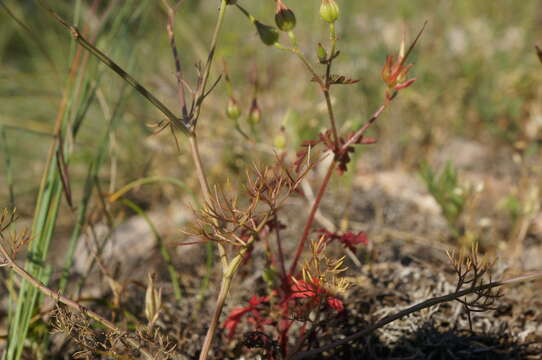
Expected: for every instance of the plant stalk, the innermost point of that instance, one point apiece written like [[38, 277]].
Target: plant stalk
[[310, 219]]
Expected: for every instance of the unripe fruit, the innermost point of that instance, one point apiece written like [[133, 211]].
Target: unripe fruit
[[329, 11], [232, 111], [255, 114], [268, 34], [284, 17]]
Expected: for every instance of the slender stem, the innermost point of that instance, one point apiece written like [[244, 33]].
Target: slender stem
[[229, 273], [177, 61], [279, 246], [204, 184], [310, 219], [207, 70], [415, 308], [325, 89], [68, 302], [331, 117], [221, 300], [307, 334], [358, 134]]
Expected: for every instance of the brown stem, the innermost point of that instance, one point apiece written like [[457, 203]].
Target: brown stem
[[415, 308], [310, 219], [204, 184], [69, 302], [331, 118], [178, 69], [358, 134]]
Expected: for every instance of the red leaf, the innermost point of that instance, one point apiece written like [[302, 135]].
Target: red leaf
[[335, 303], [301, 289], [368, 141], [349, 239], [405, 84], [236, 314]]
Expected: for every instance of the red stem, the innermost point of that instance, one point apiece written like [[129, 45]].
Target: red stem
[[310, 219], [279, 246]]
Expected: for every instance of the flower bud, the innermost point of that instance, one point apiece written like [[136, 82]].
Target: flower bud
[[321, 53], [329, 11], [232, 111], [284, 17], [255, 114], [268, 34]]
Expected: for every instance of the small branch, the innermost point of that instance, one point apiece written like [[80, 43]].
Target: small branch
[[178, 69], [325, 90], [279, 246], [69, 302], [415, 308], [368, 124], [201, 93]]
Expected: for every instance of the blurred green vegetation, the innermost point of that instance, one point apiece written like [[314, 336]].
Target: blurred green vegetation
[[477, 77]]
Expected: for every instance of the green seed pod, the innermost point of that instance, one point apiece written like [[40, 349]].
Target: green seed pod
[[321, 53], [284, 17], [232, 111], [268, 34], [329, 11]]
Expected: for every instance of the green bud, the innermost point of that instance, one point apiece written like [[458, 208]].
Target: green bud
[[232, 111], [329, 11], [321, 53], [284, 17], [268, 34], [255, 114]]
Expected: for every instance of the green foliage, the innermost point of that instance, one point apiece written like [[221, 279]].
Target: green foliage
[[446, 190]]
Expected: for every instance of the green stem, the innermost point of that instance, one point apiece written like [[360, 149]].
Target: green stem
[[333, 37]]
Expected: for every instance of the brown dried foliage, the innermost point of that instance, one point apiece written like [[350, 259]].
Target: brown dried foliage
[[472, 273]]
